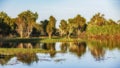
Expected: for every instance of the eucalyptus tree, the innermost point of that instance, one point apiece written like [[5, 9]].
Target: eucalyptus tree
[[111, 22], [80, 23], [25, 22], [76, 25], [44, 26], [37, 30], [70, 27], [98, 19], [51, 26], [7, 24], [63, 27]]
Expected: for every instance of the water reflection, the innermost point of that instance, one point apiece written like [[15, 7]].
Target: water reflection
[[50, 47], [64, 46], [96, 48], [98, 52], [27, 58], [78, 48], [4, 59], [25, 45]]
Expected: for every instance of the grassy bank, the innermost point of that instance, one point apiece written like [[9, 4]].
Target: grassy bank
[[45, 39], [14, 51], [20, 39]]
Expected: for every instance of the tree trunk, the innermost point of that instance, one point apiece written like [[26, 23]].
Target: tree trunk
[[28, 34], [49, 35], [78, 33], [61, 34], [21, 34], [68, 35], [29, 30]]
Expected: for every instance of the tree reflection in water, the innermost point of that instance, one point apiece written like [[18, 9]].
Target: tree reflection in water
[[99, 48], [78, 48], [50, 47], [4, 59], [24, 45], [96, 48], [27, 58], [64, 47], [98, 52]]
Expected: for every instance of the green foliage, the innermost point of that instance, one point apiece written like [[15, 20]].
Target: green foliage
[[7, 24], [44, 26], [25, 23], [51, 26], [98, 25], [111, 22], [37, 30], [63, 27], [70, 27], [76, 25], [105, 30], [79, 21], [98, 19]]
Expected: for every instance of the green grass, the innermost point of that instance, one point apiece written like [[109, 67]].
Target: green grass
[[46, 40], [61, 40], [14, 51]]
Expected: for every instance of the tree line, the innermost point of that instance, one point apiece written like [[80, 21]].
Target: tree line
[[25, 25]]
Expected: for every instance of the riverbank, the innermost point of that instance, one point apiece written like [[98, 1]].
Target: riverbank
[[45, 39], [14, 51], [56, 39]]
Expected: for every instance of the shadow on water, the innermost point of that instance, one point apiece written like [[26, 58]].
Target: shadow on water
[[96, 48]]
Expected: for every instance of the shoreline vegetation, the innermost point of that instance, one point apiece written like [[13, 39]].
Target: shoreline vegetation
[[53, 40], [46, 40], [25, 28], [90, 43], [14, 51]]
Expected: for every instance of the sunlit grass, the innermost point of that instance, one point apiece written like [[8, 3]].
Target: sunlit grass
[[14, 51], [46, 39]]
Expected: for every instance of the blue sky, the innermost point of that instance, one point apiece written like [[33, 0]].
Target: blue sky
[[63, 9]]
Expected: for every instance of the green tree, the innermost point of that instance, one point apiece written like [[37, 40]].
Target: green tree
[[7, 24], [80, 24], [37, 30], [98, 19], [51, 26], [76, 25], [44, 26], [63, 27], [111, 22], [71, 27], [25, 23]]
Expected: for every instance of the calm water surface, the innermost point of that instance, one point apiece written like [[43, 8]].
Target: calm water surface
[[65, 55]]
